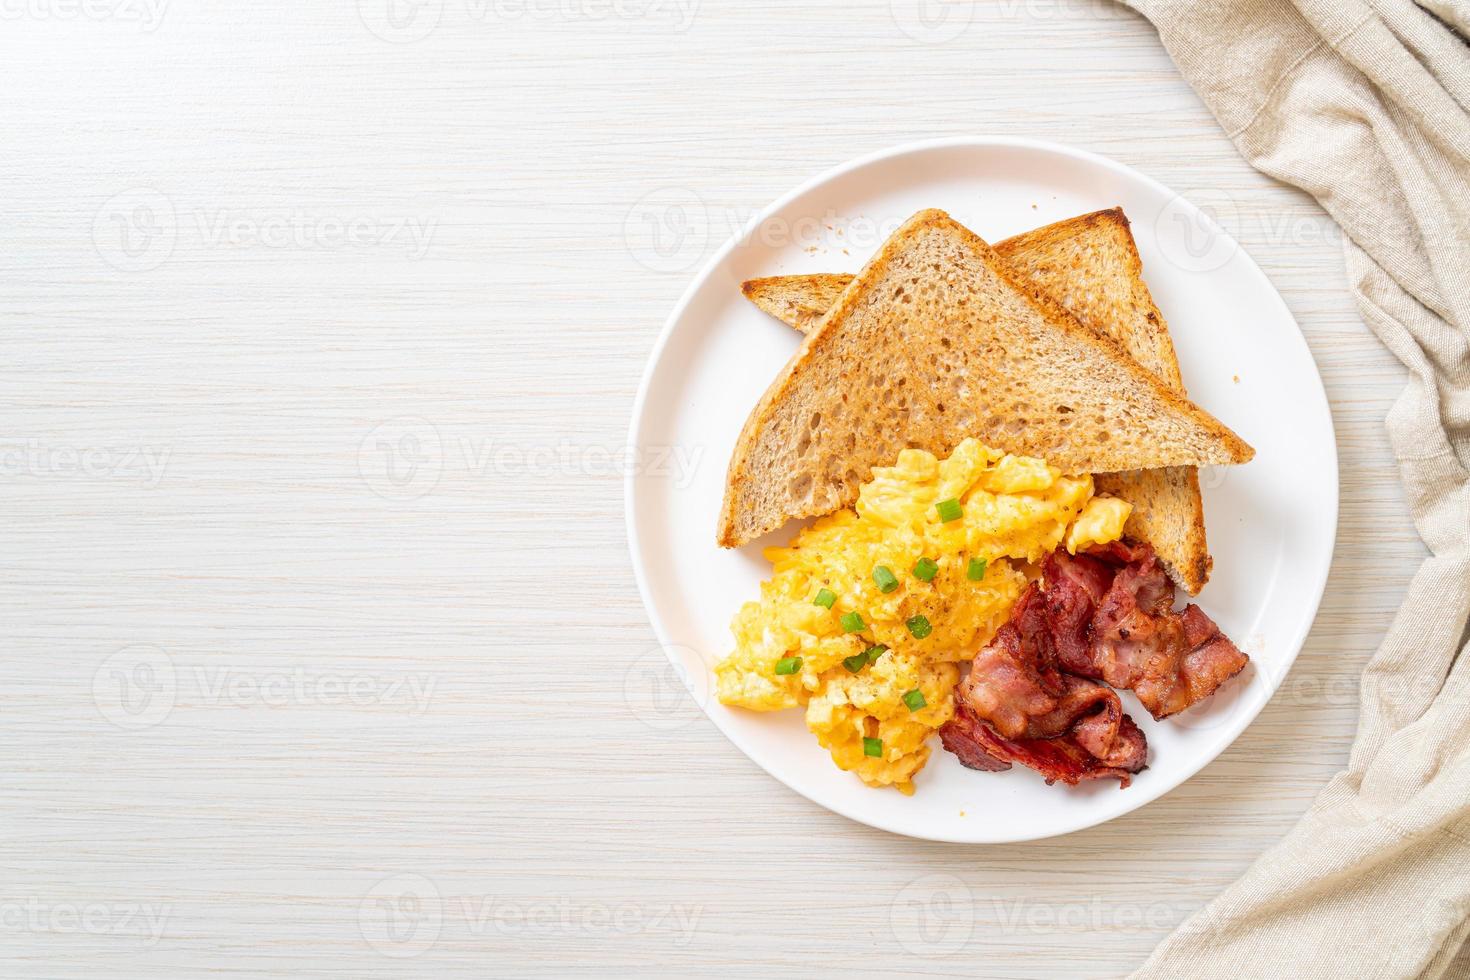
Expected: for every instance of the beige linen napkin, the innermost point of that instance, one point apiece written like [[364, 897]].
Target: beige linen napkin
[[1363, 103]]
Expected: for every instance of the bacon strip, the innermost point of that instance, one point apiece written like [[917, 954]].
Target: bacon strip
[[1064, 758], [1032, 695], [1016, 706], [971, 740], [1111, 616]]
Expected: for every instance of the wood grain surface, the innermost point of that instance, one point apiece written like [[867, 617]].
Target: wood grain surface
[[320, 328]]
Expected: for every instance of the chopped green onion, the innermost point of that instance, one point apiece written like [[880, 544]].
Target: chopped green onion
[[858, 661], [852, 622], [925, 569], [788, 665], [885, 578], [825, 597], [915, 700], [919, 627], [873, 747], [949, 510], [976, 571]]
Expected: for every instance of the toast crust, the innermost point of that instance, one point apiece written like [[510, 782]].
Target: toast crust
[[1208, 439]]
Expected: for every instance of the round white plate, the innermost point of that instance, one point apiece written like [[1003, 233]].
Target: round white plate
[[1271, 523]]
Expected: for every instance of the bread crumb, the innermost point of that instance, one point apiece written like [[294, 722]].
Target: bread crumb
[[962, 813], [1033, 207], [1236, 379]]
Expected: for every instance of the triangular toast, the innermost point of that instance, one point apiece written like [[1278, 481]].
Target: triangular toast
[[936, 340], [1090, 265]]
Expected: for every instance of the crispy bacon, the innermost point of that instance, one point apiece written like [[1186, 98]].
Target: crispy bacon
[[1032, 695], [1128, 633], [1016, 706], [1014, 684], [970, 739], [1011, 680], [1064, 758], [1074, 588]]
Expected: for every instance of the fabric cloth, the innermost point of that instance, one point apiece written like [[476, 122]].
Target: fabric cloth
[[1363, 103]]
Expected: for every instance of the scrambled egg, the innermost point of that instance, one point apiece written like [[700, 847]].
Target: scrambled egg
[[1101, 521], [870, 611]]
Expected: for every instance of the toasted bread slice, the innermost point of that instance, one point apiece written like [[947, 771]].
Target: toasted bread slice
[[1090, 265], [936, 340], [797, 300]]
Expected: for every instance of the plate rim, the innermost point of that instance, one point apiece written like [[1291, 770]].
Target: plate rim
[[915, 147]]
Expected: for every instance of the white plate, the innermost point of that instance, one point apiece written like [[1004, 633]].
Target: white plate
[[1271, 523]]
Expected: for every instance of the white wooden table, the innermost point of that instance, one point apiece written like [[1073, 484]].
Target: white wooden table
[[320, 326]]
